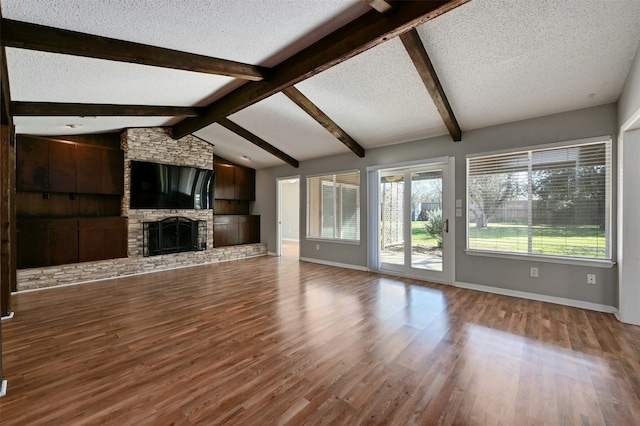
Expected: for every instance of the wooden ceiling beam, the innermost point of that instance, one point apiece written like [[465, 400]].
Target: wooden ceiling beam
[[382, 6], [317, 114], [53, 109], [25, 35], [420, 58], [359, 35], [244, 133]]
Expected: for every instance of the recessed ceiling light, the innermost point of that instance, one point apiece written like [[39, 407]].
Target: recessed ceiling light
[[73, 126], [246, 157]]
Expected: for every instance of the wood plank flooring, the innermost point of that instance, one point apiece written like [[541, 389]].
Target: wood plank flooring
[[275, 341]]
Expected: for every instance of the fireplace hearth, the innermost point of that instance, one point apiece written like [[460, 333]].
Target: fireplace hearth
[[175, 234]]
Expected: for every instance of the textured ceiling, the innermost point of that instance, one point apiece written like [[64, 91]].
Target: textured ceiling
[[498, 61]]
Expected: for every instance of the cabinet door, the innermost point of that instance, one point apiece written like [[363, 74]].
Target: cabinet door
[[89, 171], [32, 164], [33, 243], [101, 239], [249, 230], [245, 184], [220, 234], [62, 167], [63, 242], [112, 163], [224, 182], [225, 231], [90, 241]]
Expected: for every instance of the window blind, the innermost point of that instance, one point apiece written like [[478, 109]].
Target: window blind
[[334, 206], [553, 201]]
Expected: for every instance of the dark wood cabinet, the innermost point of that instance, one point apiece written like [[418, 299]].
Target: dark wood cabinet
[[89, 169], [63, 242], [63, 167], [77, 219], [245, 183], [32, 164], [230, 230], [234, 182], [33, 244], [100, 239], [225, 231], [112, 172], [249, 229], [49, 165], [51, 242], [47, 242], [224, 181]]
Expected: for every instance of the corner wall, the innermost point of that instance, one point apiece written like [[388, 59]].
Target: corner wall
[[556, 280], [628, 200]]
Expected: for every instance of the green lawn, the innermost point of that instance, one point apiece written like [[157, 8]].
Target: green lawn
[[569, 240], [420, 236]]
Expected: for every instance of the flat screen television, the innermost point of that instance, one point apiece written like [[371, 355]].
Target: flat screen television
[[164, 186]]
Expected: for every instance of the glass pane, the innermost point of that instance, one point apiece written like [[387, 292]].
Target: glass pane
[[426, 220], [350, 226], [569, 202], [499, 212], [328, 206], [558, 205], [392, 220]]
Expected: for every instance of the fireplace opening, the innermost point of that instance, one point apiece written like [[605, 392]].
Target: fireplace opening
[[174, 235]]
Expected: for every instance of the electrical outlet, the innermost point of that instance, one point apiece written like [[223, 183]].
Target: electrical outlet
[[591, 278], [317, 246], [534, 272]]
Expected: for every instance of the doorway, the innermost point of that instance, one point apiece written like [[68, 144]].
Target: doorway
[[288, 244], [414, 235]]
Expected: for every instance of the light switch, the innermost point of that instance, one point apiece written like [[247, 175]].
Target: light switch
[[458, 212], [458, 202]]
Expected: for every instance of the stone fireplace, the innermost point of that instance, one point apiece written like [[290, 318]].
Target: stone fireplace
[[157, 145], [173, 235]]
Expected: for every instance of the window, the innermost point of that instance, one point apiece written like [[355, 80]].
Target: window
[[334, 206], [549, 202]]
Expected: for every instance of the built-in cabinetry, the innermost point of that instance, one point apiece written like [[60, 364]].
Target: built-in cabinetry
[[49, 165], [234, 182], [234, 190], [68, 200], [59, 241], [230, 230]]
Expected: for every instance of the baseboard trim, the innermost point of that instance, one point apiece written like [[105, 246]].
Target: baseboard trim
[[3, 388], [540, 297], [336, 264], [7, 317]]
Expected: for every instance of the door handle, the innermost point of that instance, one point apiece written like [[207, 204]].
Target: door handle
[[446, 226]]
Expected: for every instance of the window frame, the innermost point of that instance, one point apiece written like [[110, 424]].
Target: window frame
[[337, 206], [606, 262]]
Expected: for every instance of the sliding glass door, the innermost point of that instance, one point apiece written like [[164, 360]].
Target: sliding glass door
[[414, 228]]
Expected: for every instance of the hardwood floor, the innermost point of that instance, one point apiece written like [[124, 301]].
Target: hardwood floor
[[276, 341]]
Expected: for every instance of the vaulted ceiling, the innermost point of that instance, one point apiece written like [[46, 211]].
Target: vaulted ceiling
[[280, 81]]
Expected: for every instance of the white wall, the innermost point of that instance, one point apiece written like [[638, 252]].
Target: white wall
[[565, 281], [628, 199], [629, 235]]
